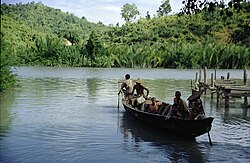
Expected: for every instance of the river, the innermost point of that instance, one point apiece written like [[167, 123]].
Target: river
[[71, 115]]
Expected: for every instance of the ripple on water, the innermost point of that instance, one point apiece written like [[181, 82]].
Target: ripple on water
[[70, 115]]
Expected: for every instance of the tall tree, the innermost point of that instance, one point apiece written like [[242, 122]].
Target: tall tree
[[94, 46], [129, 12], [164, 8], [148, 16], [194, 6]]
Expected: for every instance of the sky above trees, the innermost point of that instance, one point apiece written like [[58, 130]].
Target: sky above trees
[[106, 11]]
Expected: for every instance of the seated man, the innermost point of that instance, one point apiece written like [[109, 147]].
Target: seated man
[[182, 106], [164, 109], [154, 106], [195, 103], [173, 112]]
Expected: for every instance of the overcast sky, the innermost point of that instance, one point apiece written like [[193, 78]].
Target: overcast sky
[[106, 11]]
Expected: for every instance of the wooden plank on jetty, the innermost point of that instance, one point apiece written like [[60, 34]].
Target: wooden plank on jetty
[[224, 87], [235, 91]]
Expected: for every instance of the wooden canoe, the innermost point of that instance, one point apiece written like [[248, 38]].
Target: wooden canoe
[[187, 128]]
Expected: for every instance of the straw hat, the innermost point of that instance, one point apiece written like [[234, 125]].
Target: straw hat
[[139, 81], [195, 95]]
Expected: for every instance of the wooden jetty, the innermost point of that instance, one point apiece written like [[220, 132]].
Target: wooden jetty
[[225, 88]]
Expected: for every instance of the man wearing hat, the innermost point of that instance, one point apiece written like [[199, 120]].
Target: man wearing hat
[[139, 88]]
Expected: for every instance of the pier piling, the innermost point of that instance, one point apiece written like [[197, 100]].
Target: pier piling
[[224, 87]]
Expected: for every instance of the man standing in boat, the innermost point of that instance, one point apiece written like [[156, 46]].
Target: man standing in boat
[[140, 96], [127, 87]]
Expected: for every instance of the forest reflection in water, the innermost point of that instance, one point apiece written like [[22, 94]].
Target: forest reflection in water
[[71, 115]]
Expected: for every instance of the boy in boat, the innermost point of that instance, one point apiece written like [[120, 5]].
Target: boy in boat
[[154, 106], [182, 106], [140, 96], [173, 112]]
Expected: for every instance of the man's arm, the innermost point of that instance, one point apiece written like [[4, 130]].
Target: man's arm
[[146, 90], [133, 90]]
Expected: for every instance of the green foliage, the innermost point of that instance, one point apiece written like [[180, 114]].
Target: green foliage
[[194, 6], [129, 12], [164, 8], [50, 21], [7, 79], [33, 34]]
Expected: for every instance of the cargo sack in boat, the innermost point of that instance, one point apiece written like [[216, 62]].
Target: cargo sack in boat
[[140, 100]]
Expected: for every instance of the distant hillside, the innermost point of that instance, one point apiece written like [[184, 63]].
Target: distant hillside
[[200, 28], [37, 19], [34, 34]]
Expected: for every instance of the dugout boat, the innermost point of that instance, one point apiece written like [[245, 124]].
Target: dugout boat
[[183, 127]]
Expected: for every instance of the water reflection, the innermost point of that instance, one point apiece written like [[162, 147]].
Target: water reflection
[[67, 114], [236, 110], [6, 102], [170, 146], [92, 88], [164, 89], [231, 125]]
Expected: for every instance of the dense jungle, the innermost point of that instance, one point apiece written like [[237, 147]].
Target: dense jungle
[[37, 35]]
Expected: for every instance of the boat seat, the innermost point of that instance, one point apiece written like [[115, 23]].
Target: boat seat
[[161, 109], [166, 109]]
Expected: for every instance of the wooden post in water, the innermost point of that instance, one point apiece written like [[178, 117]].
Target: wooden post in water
[[245, 83], [218, 94], [205, 75], [199, 84], [196, 84], [228, 75], [245, 76], [226, 98], [200, 75], [214, 74], [205, 79], [196, 77], [212, 80], [212, 85]]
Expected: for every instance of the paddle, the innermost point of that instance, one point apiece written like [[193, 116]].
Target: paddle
[[118, 95], [118, 101], [209, 138], [210, 142]]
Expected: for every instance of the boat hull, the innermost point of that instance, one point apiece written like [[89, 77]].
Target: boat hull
[[190, 128]]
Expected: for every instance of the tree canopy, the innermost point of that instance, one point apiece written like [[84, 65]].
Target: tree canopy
[[164, 8], [34, 34], [129, 12], [194, 6]]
